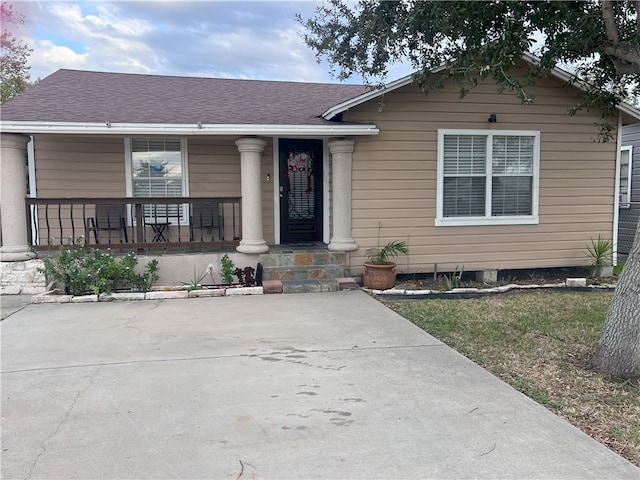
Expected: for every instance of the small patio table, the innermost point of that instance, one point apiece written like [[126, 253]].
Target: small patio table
[[159, 229]]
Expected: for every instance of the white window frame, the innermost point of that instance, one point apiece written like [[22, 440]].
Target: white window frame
[[626, 204], [184, 155], [487, 219]]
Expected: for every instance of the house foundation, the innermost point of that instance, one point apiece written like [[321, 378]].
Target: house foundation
[[22, 278], [487, 276]]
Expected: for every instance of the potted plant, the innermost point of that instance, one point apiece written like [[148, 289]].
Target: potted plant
[[601, 253], [378, 272]]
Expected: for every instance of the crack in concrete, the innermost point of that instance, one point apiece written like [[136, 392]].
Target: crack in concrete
[[133, 327], [43, 445], [213, 357], [4, 317], [127, 324]]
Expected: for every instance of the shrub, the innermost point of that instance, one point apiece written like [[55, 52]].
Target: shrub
[[226, 270], [246, 276], [82, 269]]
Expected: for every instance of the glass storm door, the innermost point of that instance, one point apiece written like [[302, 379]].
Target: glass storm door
[[300, 190]]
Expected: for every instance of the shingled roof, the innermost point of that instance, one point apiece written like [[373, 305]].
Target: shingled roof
[[81, 96]]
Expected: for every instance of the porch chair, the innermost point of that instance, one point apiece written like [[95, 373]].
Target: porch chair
[[107, 218], [207, 216]]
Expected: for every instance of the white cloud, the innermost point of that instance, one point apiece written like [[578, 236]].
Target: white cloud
[[112, 20], [46, 53], [98, 38], [234, 39]]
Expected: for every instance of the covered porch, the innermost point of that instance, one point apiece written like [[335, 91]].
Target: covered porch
[[202, 227]]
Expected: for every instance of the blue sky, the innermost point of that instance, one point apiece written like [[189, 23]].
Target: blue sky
[[231, 39]]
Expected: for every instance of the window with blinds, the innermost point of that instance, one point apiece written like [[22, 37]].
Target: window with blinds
[[157, 171], [487, 177]]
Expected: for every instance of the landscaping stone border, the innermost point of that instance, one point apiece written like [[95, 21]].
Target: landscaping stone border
[[161, 293], [572, 284]]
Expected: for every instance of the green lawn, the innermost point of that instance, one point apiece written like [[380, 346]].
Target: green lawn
[[541, 343]]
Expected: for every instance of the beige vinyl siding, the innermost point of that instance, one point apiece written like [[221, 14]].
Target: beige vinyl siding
[[78, 166], [70, 166], [267, 192], [214, 170], [395, 180]]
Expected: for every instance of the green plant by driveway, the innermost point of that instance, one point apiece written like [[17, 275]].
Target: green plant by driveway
[[601, 252], [226, 269], [83, 269], [454, 279], [196, 282]]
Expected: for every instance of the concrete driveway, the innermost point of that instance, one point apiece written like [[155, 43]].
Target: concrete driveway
[[329, 385]]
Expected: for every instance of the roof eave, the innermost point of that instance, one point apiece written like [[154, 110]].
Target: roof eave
[[355, 101], [106, 128], [567, 77]]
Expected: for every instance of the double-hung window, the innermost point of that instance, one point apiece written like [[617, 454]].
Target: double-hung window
[[157, 167], [487, 177]]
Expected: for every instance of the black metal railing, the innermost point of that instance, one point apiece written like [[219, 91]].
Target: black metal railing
[[135, 223]]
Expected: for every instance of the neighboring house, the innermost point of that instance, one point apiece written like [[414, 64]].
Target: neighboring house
[[629, 187], [481, 182]]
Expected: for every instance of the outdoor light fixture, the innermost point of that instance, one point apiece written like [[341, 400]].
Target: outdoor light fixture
[[492, 118]]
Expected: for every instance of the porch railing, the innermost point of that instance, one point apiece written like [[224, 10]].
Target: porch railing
[[139, 223]]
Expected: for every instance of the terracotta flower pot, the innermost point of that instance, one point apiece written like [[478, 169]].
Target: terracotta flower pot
[[379, 276]]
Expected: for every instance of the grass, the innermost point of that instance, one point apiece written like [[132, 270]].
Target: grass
[[541, 343]]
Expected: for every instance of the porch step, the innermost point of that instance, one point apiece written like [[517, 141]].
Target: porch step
[[310, 286], [303, 269], [312, 272]]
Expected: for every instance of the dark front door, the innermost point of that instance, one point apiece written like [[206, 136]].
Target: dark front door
[[300, 190]]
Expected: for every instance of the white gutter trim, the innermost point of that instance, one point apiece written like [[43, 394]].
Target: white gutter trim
[[106, 128], [341, 107]]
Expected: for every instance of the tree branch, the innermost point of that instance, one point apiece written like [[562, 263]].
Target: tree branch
[[609, 17], [625, 60]]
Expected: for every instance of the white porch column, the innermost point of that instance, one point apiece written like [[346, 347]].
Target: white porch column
[[341, 159], [13, 168], [252, 234]]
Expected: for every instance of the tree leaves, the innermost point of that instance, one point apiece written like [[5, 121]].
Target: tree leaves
[[14, 71], [485, 40]]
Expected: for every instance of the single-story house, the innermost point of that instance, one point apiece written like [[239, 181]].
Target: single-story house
[[139, 161], [629, 187]]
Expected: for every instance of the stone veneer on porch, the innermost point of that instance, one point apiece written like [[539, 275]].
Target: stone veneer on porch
[[304, 268]]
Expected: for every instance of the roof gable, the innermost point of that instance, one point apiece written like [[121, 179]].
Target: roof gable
[[558, 73]]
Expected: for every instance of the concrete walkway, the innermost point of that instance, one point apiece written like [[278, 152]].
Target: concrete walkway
[[329, 385]]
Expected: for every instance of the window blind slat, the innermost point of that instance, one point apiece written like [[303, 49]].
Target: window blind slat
[[464, 197], [511, 196], [464, 154]]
